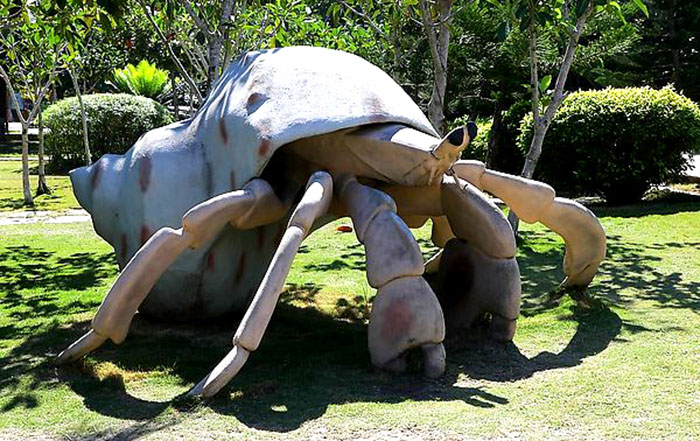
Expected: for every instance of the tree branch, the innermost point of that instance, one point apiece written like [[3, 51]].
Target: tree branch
[[203, 27], [534, 74], [367, 20], [6, 78], [176, 60], [568, 59]]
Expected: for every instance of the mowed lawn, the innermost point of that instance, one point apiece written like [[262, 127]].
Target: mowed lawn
[[625, 365], [60, 199]]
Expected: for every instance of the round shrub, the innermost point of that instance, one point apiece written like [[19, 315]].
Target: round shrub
[[115, 123], [616, 142]]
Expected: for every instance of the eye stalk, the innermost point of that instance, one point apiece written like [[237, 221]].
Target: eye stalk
[[451, 146], [456, 137], [472, 130]]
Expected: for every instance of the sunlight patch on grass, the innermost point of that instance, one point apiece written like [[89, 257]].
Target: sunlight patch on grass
[[624, 367], [60, 199]]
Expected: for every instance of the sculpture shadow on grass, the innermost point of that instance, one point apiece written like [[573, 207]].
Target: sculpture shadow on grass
[[307, 362], [308, 359]]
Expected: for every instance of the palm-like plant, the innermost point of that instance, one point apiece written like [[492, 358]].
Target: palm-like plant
[[144, 79]]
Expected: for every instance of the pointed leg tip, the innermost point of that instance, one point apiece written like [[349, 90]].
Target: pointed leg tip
[[197, 391], [85, 344], [221, 375]]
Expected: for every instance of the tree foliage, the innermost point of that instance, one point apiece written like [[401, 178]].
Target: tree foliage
[[617, 142], [144, 79]]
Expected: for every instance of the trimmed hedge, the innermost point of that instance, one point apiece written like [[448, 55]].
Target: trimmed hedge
[[617, 142], [115, 123]]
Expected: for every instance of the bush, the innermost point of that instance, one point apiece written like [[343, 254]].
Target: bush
[[115, 123], [617, 142], [144, 79]]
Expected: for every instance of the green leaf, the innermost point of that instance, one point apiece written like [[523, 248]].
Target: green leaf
[[640, 4], [545, 82]]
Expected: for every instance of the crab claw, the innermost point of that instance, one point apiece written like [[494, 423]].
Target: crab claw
[[405, 315]]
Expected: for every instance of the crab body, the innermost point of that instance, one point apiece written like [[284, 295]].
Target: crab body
[[264, 100], [206, 215]]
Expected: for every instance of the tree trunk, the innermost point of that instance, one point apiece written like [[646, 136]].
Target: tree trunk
[[42, 187], [533, 155], [541, 123], [176, 104], [26, 188], [214, 61], [496, 129], [83, 117], [439, 42]]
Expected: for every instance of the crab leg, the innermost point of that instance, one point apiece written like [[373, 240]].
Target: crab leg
[[405, 313], [534, 201], [313, 204], [478, 272], [254, 205]]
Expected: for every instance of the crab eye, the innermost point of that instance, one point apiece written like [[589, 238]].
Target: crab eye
[[472, 129], [456, 137]]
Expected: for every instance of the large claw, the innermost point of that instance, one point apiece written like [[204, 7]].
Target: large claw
[[535, 201], [406, 312]]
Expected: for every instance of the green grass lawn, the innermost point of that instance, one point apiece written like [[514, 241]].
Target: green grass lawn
[[626, 368], [60, 199]]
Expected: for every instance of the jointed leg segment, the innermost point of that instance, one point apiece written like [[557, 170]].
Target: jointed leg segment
[[534, 201], [405, 313], [313, 204], [254, 205]]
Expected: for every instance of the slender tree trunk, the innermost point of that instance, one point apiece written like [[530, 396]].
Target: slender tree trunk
[[42, 187], [26, 187], [542, 123], [494, 146], [176, 103], [83, 117], [214, 61], [439, 42]]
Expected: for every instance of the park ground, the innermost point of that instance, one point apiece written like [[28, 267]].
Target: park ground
[[621, 363]]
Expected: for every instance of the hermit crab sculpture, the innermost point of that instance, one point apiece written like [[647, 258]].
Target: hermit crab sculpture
[[206, 215]]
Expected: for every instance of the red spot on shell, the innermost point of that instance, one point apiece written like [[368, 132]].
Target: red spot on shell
[[241, 268], [264, 147], [223, 131], [373, 106], [145, 234], [261, 237], [397, 319], [96, 172], [124, 250], [144, 172], [210, 261], [344, 228]]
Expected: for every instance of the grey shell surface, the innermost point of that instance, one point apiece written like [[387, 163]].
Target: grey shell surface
[[264, 100]]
